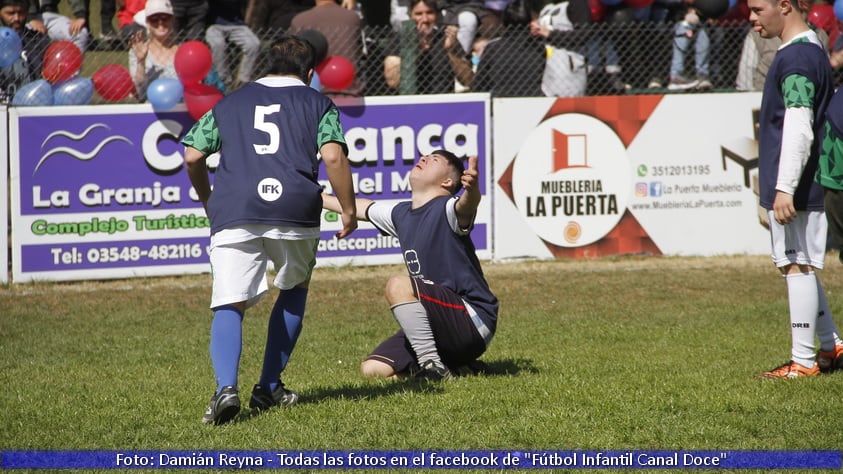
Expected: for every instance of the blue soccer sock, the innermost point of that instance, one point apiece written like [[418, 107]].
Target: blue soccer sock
[[226, 344], [285, 324]]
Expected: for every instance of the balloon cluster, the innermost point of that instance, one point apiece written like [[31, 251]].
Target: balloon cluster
[[192, 62], [61, 83]]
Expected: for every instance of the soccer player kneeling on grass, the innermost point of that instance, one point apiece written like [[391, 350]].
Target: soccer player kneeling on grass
[[444, 306]]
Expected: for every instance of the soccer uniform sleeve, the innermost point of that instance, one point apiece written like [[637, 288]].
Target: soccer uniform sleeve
[[453, 220], [830, 170], [204, 135], [797, 131], [330, 129], [380, 215]]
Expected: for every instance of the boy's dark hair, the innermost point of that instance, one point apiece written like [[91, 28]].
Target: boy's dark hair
[[291, 55], [457, 165], [15, 3]]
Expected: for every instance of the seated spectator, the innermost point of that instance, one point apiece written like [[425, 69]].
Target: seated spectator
[[565, 73], [191, 17], [153, 55], [343, 30], [433, 57], [691, 29], [227, 26], [513, 64], [271, 18], [45, 18], [13, 14], [468, 16], [128, 27]]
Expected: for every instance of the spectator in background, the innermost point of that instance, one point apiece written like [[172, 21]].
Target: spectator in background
[[565, 73], [467, 16], [691, 29], [153, 55], [13, 14], [45, 18], [271, 18], [227, 26], [191, 18], [431, 55], [129, 22], [513, 64], [108, 9], [342, 28]]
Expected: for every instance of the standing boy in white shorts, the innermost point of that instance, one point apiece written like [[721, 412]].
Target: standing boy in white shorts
[[797, 91]]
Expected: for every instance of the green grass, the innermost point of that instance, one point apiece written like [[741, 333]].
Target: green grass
[[612, 354]]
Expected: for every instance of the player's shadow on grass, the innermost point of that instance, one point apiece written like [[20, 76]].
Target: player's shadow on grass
[[369, 389]]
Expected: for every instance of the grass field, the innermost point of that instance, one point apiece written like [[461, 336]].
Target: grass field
[[610, 354]]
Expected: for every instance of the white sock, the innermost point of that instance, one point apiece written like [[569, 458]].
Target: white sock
[[803, 300], [826, 329], [412, 318]]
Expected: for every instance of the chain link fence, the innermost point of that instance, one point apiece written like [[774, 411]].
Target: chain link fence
[[596, 59]]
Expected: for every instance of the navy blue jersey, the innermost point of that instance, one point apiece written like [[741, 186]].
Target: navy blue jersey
[[268, 158], [433, 251], [809, 60]]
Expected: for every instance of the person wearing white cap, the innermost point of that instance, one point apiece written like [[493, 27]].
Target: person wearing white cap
[[153, 55]]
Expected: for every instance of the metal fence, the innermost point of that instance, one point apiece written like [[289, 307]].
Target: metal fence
[[617, 58]]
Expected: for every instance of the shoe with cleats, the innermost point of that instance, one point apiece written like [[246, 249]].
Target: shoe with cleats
[[264, 399], [430, 370], [790, 370], [224, 406], [829, 361]]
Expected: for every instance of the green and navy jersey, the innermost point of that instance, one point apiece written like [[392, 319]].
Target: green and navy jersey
[[269, 134], [830, 171], [800, 76], [436, 249]]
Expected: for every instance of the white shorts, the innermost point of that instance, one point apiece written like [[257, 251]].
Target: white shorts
[[802, 242], [239, 268]]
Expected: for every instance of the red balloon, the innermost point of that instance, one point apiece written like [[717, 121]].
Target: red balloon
[[200, 98], [113, 82], [193, 62], [336, 72], [822, 16], [639, 3], [62, 60], [598, 10]]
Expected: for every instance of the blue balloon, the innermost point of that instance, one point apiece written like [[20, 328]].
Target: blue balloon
[[10, 46], [315, 83], [76, 91], [164, 93], [38, 92], [838, 9]]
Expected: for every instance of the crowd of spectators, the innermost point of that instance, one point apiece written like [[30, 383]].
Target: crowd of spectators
[[509, 48]]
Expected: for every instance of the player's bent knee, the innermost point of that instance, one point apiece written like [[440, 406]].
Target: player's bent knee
[[375, 369], [399, 289]]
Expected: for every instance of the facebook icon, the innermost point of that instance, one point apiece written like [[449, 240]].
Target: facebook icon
[[656, 189]]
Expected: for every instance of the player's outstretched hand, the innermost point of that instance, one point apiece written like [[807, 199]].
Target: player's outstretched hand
[[469, 176]]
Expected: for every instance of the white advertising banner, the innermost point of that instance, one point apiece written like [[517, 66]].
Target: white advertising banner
[[650, 174], [4, 196]]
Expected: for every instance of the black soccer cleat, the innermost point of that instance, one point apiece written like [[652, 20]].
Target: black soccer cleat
[[263, 399], [223, 407], [434, 372]]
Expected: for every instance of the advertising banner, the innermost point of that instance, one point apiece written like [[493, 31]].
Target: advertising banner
[[4, 196], [101, 191], [386, 136], [650, 174]]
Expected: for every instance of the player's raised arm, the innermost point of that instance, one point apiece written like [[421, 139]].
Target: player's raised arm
[[466, 206], [331, 203]]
